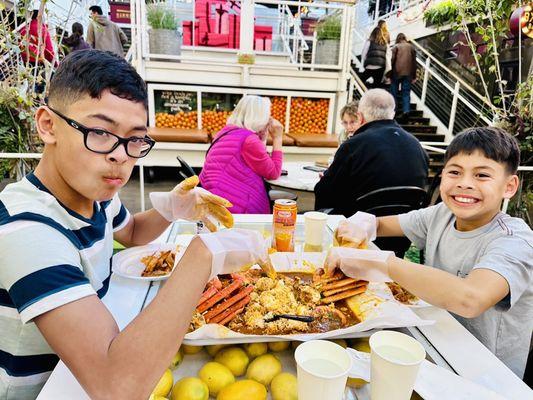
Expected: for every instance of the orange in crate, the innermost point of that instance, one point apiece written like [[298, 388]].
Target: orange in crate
[[309, 115], [186, 120], [278, 108], [214, 121]]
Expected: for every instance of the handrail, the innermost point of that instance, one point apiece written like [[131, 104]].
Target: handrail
[[455, 76]]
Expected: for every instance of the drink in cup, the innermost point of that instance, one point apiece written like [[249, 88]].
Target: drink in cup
[[322, 369], [284, 224], [395, 360], [315, 225]]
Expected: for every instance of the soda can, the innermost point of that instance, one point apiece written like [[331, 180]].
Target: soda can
[[284, 224]]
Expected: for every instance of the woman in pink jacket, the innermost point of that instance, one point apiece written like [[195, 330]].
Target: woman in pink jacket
[[237, 162]]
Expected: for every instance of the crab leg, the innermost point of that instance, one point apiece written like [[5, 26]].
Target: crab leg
[[231, 316], [344, 288], [229, 302], [225, 314], [341, 283], [219, 296], [343, 295], [210, 292]]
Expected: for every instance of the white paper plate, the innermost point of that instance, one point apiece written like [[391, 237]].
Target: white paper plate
[[128, 263]]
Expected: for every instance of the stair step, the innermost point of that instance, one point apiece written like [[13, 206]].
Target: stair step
[[419, 128], [429, 137], [413, 121]]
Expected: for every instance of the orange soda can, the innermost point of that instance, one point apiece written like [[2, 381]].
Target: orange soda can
[[284, 224]]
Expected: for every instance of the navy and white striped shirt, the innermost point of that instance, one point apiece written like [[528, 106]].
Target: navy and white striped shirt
[[49, 256]]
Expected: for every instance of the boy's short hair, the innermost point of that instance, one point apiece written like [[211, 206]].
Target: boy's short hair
[[350, 108], [495, 144], [96, 9], [91, 72]]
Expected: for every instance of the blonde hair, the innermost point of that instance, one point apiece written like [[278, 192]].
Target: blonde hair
[[252, 113], [350, 108]]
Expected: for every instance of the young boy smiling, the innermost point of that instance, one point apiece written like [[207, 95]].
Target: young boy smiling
[[481, 259]]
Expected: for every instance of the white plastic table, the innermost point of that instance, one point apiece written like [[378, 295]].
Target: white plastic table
[[447, 342], [297, 177]]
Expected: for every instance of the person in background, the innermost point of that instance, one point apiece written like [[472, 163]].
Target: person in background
[[237, 162], [37, 49], [350, 119], [75, 41], [380, 154], [403, 71], [104, 34], [478, 259], [376, 56]]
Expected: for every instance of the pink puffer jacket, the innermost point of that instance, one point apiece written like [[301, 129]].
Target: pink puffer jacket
[[235, 168]]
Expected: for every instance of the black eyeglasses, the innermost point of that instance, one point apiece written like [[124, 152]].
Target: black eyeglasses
[[103, 142]]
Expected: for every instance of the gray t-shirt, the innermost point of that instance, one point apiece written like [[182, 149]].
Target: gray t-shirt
[[505, 246]]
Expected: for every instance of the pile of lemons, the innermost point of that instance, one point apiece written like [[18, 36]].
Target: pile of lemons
[[257, 363]]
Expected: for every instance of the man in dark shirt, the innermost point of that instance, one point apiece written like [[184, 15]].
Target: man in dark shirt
[[380, 154]]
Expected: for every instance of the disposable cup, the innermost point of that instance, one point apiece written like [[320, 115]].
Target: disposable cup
[[394, 362], [315, 225], [322, 369]]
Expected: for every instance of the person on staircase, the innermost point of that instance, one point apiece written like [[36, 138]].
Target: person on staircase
[[376, 56], [237, 162], [103, 34], [404, 69]]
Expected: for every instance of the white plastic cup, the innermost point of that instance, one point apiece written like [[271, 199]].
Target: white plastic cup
[[322, 369], [315, 225], [394, 362]]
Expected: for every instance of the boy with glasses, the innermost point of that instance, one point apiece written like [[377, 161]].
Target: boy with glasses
[[56, 241]]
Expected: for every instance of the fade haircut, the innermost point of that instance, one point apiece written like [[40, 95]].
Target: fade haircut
[[96, 9], [92, 72], [377, 104], [494, 143]]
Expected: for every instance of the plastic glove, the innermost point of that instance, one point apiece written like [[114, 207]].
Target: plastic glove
[[192, 203], [369, 265], [357, 231], [235, 250]]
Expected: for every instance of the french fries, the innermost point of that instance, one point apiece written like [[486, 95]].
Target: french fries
[[160, 263]]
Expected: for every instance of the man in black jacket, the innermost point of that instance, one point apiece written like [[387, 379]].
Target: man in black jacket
[[380, 154]]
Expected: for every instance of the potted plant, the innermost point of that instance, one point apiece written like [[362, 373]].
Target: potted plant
[[441, 14], [328, 34], [163, 35]]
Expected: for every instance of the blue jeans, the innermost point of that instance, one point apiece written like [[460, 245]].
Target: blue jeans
[[405, 81]]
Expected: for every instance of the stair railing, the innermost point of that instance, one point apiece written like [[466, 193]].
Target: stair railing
[[453, 101]]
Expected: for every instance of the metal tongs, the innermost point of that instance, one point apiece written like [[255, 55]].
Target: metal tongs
[[301, 318]]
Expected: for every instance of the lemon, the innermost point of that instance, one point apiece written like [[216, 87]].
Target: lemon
[[243, 390], [164, 385], [214, 349], [178, 358], [361, 344], [191, 349], [263, 369], [256, 349], [216, 376], [234, 358], [190, 389], [279, 346], [284, 387], [152, 397]]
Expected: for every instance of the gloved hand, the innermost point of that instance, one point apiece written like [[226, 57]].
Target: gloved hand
[[357, 231], [235, 250], [192, 203], [369, 265]]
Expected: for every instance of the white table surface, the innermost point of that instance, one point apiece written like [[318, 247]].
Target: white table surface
[[297, 178], [447, 341]]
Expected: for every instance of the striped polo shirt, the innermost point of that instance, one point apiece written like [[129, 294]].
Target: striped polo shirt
[[49, 256]]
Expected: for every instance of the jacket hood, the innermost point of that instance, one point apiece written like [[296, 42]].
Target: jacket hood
[[101, 19]]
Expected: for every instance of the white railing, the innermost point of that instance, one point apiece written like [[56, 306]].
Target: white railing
[[450, 93]]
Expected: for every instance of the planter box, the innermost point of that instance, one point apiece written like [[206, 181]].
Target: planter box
[[164, 41], [327, 52]]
